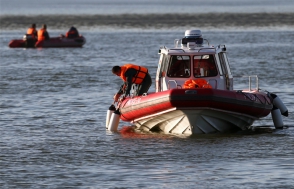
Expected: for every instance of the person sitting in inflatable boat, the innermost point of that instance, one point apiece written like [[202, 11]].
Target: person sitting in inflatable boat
[[31, 36], [72, 33], [43, 33]]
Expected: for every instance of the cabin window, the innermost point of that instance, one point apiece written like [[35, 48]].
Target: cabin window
[[204, 66], [179, 66]]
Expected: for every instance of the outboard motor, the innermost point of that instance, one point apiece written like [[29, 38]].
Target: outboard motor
[[29, 40]]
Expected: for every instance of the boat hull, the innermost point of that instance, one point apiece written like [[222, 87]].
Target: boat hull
[[61, 42], [53, 42], [17, 43], [195, 111], [202, 121]]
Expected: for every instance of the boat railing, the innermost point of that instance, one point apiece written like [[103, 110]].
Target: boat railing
[[178, 42], [252, 86]]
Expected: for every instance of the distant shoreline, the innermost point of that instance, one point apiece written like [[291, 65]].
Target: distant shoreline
[[213, 20]]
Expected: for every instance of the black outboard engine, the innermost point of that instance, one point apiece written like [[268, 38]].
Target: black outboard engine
[[29, 40]]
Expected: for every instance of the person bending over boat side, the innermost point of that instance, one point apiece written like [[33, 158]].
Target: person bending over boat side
[[132, 74], [72, 33], [43, 34]]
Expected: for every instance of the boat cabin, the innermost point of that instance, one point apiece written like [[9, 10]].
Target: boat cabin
[[191, 59]]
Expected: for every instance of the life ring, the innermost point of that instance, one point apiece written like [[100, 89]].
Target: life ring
[[197, 83]]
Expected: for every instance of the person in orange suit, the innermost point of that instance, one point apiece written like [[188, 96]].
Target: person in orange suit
[[132, 74], [43, 34], [30, 37], [32, 31]]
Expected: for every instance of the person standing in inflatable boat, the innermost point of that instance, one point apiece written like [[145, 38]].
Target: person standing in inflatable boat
[[132, 74]]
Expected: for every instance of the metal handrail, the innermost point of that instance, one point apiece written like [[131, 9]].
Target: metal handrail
[[250, 81]]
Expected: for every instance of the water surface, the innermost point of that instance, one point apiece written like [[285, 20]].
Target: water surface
[[53, 105]]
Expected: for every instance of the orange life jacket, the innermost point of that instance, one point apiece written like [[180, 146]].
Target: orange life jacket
[[41, 36], [32, 31], [70, 33], [138, 78], [197, 83]]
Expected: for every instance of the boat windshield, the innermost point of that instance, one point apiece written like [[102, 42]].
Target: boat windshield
[[179, 66], [204, 66]]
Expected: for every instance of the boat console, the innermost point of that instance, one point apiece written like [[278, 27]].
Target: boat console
[[192, 59]]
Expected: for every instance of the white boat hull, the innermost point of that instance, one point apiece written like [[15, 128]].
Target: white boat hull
[[194, 121]]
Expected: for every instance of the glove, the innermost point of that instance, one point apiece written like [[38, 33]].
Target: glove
[[116, 97]]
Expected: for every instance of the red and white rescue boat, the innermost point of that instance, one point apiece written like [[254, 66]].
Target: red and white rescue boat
[[195, 95]]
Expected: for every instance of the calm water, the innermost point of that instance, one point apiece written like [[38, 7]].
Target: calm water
[[53, 104]]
